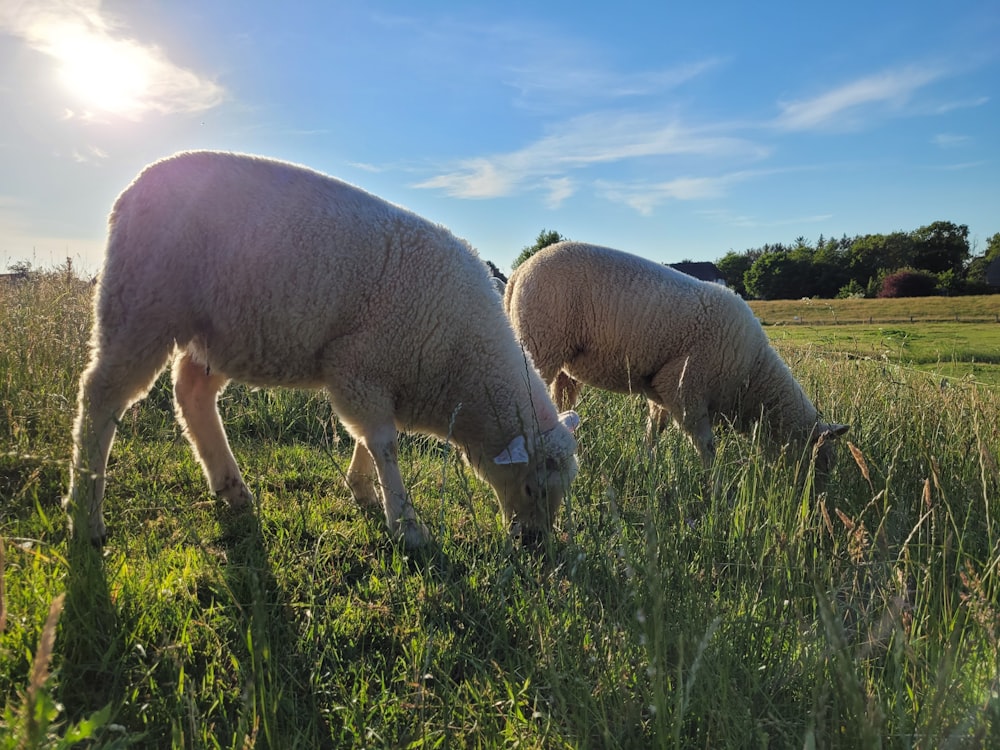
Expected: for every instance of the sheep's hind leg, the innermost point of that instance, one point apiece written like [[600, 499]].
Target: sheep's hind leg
[[196, 393], [117, 376]]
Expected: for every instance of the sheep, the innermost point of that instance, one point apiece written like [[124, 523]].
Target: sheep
[[240, 267], [596, 316]]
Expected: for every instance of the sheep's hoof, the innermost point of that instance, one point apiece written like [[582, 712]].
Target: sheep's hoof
[[412, 533], [364, 493], [236, 494], [98, 535]]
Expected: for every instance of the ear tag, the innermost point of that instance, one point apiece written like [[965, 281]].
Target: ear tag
[[515, 453], [570, 419]]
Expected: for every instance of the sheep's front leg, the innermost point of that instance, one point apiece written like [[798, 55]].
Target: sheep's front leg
[[196, 393], [399, 512]]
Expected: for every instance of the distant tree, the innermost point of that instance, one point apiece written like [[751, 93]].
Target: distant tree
[[940, 246], [545, 238], [992, 251], [908, 282], [777, 275], [975, 272], [850, 290], [21, 269], [734, 265], [830, 271], [879, 253]]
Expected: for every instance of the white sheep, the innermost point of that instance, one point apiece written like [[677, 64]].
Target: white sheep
[[602, 317], [245, 268]]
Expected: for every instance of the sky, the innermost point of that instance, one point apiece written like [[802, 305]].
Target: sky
[[672, 130]]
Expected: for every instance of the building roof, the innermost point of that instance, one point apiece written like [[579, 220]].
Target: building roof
[[702, 270], [993, 273]]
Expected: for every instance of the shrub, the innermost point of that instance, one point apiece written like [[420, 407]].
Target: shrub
[[908, 283]]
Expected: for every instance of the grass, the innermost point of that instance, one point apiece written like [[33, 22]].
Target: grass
[[974, 308], [769, 612], [951, 337]]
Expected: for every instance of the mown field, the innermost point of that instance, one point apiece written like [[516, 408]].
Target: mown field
[[751, 608]]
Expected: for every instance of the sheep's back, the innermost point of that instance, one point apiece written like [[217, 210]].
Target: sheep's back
[[277, 272], [617, 312]]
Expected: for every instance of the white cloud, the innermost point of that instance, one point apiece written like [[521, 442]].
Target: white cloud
[[979, 101], [561, 78], [602, 138], [559, 189], [838, 108], [950, 140], [644, 196], [107, 70], [89, 155]]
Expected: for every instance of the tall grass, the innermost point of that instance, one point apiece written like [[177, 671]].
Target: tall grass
[[756, 607]]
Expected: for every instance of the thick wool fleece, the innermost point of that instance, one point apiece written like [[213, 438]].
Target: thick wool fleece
[[622, 323], [273, 274]]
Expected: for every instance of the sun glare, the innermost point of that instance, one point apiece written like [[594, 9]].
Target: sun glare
[[105, 74]]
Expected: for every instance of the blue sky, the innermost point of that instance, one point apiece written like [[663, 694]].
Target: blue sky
[[672, 130]]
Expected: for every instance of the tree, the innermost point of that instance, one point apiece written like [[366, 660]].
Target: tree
[[975, 274], [777, 275], [545, 238], [733, 266], [992, 251], [941, 246], [874, 253]]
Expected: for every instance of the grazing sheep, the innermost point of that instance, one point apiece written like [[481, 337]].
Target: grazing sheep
[[596, 316], [240, 267]]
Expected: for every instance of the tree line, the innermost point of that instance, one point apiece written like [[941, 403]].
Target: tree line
[[933, 260]]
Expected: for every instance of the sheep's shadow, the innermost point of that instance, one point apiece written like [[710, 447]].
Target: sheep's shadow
[[92, 641], [264, 637]]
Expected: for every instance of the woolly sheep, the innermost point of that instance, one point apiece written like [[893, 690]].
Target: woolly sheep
[[245, 268], [596, 316]]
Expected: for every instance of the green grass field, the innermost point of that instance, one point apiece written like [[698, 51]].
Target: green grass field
[[751, 608]]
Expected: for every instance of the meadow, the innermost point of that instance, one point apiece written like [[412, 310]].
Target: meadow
[[756, 607]]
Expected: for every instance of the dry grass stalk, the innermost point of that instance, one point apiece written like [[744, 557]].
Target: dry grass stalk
[[43, 659], [859, 459], [3, 591]]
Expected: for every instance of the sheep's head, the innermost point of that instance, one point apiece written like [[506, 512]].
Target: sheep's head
[[824, 444], [531, 480]]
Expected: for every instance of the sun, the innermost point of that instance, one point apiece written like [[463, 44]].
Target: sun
[[104, 74]]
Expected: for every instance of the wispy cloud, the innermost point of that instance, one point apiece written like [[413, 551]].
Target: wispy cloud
[[645, 196], [546, 68], [556, 80], [89, 155], [950, 140], [752, 222], [559, 189], [840, 107], [586, 141], [97, 59], [978, 101]]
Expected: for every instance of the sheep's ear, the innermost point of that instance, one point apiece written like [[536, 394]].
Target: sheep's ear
[[570, 419], [836, 430], [830, 430], [515, 453]]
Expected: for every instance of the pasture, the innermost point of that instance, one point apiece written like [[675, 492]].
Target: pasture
[[753, 608]]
